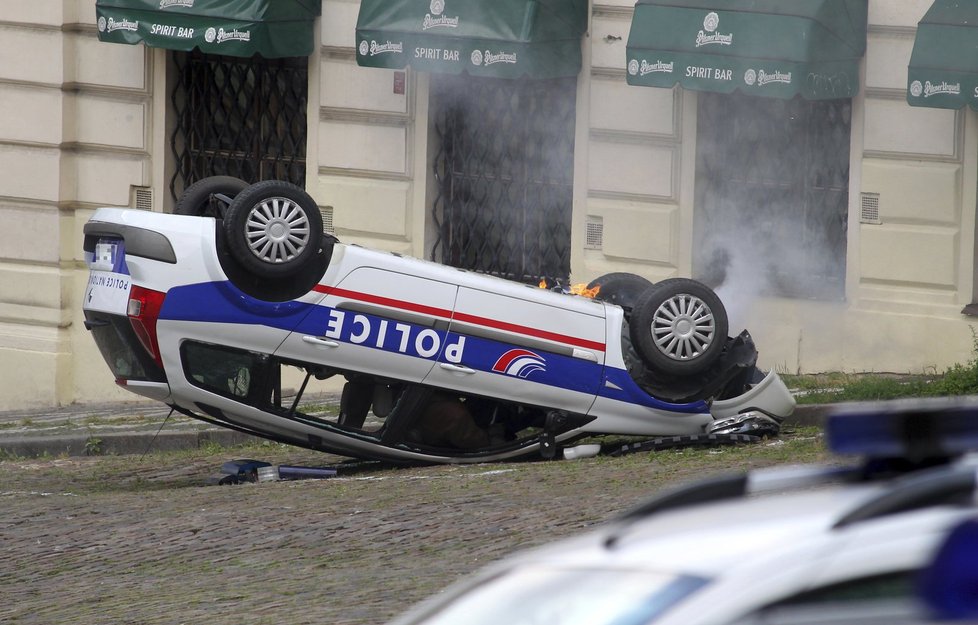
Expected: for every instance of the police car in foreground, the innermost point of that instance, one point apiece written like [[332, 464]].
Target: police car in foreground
[[207, 308], [892, 539]]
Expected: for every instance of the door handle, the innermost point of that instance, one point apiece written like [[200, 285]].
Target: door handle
[[319, 341], [584, 354], [456, 368]]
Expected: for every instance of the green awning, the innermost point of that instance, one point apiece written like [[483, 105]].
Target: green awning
[[776, 48], [943, 71], [500, 38], [272, 28]]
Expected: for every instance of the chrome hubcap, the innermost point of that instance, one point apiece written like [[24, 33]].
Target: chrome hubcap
[[277, 230], [683, 327]]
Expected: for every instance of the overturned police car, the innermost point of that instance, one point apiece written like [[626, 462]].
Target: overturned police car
[[209, 308]]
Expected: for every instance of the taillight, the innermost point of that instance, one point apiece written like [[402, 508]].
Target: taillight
[[144, 311]]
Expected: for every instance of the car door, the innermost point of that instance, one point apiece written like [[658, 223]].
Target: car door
[[524, 345], [387, 323]]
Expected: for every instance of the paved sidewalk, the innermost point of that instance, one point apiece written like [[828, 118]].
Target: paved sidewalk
[[111, 428], [140, 426]]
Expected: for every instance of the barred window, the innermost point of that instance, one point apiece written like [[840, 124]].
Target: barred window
[[504, 167], [241, 117]]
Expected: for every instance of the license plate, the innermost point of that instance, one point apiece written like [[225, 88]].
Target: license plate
[[109, 281]]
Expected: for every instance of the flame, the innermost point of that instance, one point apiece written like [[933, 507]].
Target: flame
[[581, 289], [576, 289]]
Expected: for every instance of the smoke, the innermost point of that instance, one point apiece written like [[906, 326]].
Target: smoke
[[771, 200], [746, 251]]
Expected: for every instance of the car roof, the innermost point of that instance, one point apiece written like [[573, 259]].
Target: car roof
[[715, 525], [709, 538]]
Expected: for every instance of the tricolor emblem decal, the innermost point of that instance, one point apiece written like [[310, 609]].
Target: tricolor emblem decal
[[520, 363]]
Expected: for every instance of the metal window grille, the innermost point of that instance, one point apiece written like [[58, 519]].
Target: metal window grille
[[142, 198], [241, 117], [504, 167], [327, 214], [594, 233], [772, 188], [869, 210]]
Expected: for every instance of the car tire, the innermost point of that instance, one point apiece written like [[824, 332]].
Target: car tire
[[273, 228], [209, 197], [678, 327], [621, 289]]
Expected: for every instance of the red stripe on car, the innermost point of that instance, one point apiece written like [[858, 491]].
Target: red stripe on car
[[462, 317]]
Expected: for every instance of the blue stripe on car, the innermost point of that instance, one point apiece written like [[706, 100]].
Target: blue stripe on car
[[222, 302]]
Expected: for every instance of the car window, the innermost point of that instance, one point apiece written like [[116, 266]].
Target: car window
[[860, 613], [895, 585], [539, 595], [116, 340], [222, 370], [876, 600]]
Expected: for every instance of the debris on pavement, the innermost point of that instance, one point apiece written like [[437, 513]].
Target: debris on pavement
[[247, 470]]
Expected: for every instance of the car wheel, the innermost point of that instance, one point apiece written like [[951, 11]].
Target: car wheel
[[622, 289], [273, 228], [678, 327], [209, 197]]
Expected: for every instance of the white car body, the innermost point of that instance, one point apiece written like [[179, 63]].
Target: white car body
[[757, 558], [392, 317], [890, 539]]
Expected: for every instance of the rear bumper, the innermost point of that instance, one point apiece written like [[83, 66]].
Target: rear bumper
[[159, 391]]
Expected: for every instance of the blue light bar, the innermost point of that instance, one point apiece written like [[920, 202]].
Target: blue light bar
[[914, 429], [949, 584]]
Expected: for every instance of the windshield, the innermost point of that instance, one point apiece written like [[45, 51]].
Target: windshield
[[539, 595]]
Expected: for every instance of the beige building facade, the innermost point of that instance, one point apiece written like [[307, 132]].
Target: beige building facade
[[85, 124]]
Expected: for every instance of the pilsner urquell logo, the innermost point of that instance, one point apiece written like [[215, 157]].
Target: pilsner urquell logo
[[187, 4], [212, 35], [503, 57], [941, 88], [373, 48], [654, 68], [435, 19], [233, 35], [643, 68], [710, 24], [114, 24], [764, 78]]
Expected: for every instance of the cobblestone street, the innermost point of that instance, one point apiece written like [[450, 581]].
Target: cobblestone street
[[124, 539]]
